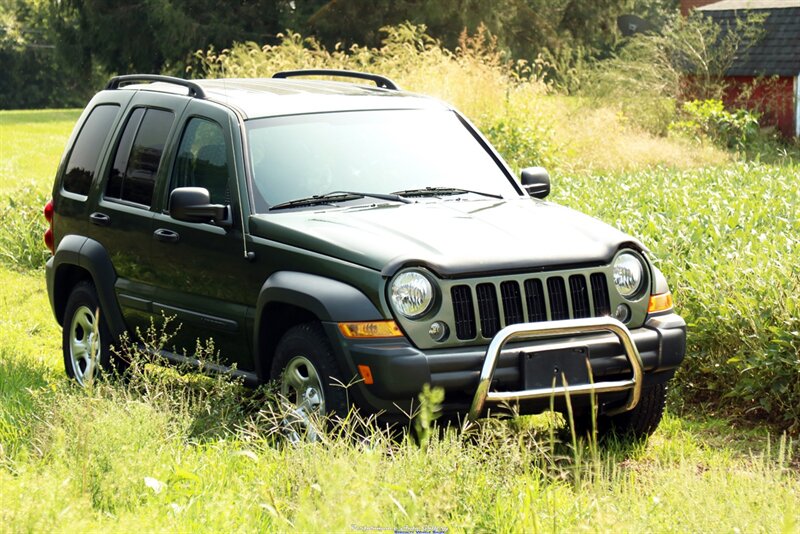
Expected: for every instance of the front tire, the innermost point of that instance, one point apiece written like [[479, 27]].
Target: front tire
[[86, 339], [308, 375], [635, 425]]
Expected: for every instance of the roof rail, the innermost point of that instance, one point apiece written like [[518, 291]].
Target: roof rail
[[380, 81], [194, 89]]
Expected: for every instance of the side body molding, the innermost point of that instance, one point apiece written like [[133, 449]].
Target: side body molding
[[91, 256]]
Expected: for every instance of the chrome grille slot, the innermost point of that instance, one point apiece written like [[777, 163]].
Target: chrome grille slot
[[464, 312], [602, 305], [488, 310], [580, 296], [559, 307], [512, 303]]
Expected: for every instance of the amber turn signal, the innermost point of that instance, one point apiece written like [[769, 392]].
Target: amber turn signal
[[368, 329], [660, 302]]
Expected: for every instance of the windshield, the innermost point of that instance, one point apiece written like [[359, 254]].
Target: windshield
[[299, 156]]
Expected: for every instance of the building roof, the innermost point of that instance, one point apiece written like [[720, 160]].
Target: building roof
[[777, 53]]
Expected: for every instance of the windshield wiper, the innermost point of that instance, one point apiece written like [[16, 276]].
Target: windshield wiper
[[337, 196], [441, 191]]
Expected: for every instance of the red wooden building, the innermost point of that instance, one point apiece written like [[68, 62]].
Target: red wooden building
[[765, 77]]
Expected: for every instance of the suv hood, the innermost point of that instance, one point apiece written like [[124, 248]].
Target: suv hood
[[451, 237]]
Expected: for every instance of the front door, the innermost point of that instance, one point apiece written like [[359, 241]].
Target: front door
[[201, 266]]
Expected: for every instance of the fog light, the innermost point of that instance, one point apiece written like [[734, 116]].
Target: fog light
[[622, 313], [438, 331]]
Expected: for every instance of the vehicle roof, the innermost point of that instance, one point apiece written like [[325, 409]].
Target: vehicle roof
[[268, 97]]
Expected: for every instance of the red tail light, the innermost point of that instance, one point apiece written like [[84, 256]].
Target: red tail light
[[49, 240]]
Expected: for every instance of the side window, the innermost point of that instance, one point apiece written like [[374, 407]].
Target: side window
[[86, 150], [138, 156], [203, 160]]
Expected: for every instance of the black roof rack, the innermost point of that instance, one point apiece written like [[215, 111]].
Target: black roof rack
[[194, 89], [380, 81]]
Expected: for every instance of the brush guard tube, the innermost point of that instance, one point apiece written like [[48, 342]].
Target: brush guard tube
[[551, 329]]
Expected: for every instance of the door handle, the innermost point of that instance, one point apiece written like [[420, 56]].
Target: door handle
[[167, 236], [100, 219]]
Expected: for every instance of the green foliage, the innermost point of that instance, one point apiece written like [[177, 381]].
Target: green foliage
[[708, 119], [727, 241], [22, 232], [521, 141], [430, 401], [37, 72]]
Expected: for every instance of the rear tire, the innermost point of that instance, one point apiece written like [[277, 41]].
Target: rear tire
[[86, 338]]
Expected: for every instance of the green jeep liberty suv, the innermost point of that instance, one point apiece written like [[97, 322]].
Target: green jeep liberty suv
[[329, 233]]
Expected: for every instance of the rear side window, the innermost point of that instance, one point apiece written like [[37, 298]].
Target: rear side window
[[86, 150], [138, 156]]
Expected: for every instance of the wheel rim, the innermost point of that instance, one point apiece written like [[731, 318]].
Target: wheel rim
[[302, 386], [84, 345]]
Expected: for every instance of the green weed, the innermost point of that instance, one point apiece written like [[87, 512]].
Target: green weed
[[22, 233]]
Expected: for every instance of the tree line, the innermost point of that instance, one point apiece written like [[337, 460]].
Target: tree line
[[58, 52]]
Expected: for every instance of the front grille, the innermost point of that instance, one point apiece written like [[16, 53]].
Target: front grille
[[602, 306], [534, 296], [465, 315], [487, 310], [553, 298], [512, 302], [580, 296], [559, 308]]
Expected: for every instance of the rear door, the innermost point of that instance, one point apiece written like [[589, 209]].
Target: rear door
[[121, 220], [203, 273]]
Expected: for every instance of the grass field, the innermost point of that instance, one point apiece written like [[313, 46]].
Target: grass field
[[149, 457]]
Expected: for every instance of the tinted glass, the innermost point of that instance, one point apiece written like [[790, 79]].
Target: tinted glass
[[86, 151], [114, 186], [371, 151], [203, 160], [133, 177]]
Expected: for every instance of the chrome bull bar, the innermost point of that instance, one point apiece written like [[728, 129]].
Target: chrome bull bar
[[558, 328]]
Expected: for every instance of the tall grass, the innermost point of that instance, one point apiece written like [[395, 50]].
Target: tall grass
[[510, 103], [120, 457]]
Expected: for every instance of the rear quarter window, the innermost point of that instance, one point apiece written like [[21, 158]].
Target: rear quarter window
[[85, 155]]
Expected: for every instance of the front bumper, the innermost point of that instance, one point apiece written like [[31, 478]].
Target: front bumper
[[400, 370]]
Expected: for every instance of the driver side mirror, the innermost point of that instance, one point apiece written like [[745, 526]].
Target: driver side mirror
[[536, 181], [193, 204]]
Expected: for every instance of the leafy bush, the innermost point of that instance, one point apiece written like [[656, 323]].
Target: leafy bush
[[708, 119]]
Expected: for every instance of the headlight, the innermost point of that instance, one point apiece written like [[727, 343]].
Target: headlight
[[411, 294], [628, 274]]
